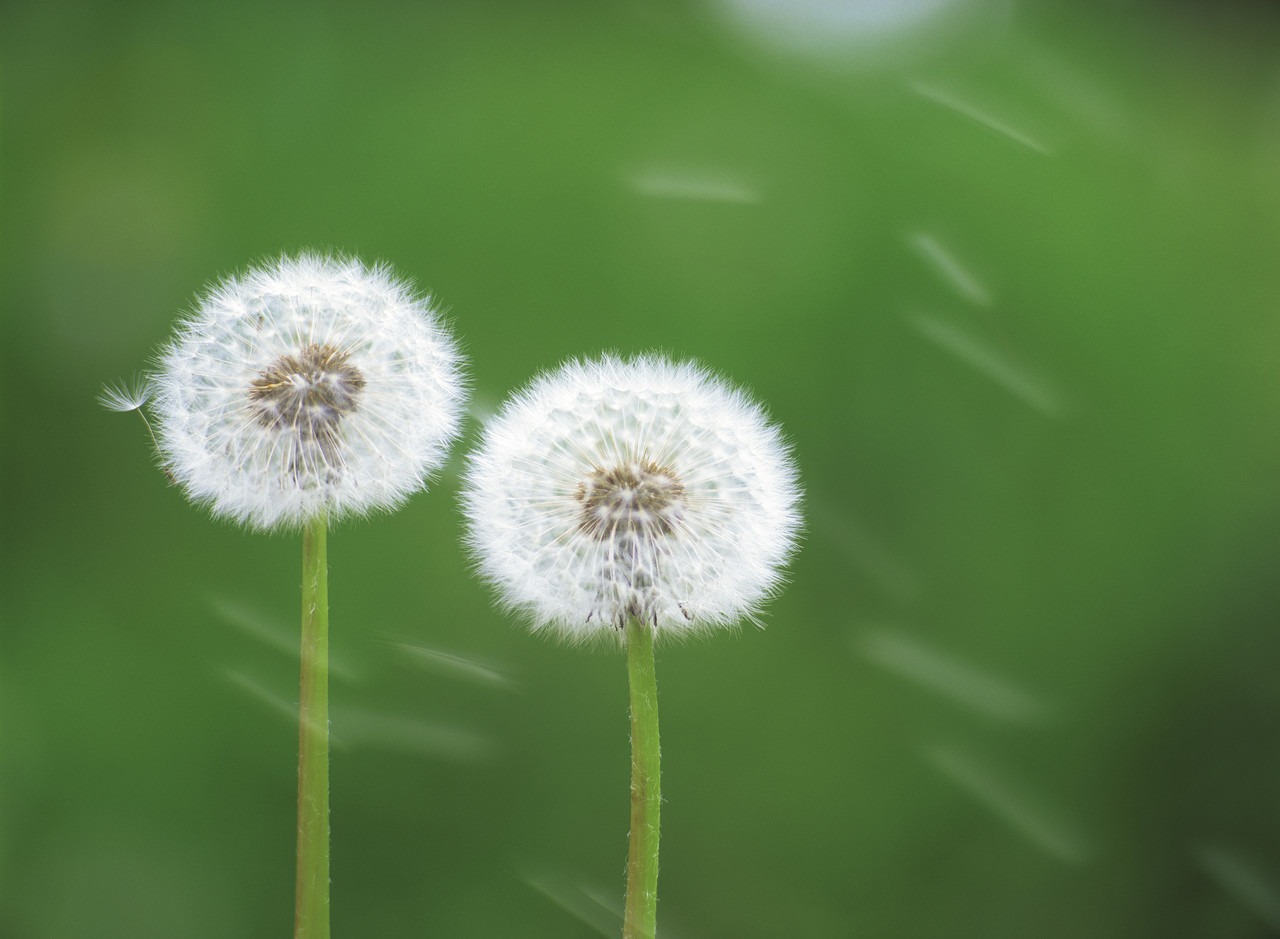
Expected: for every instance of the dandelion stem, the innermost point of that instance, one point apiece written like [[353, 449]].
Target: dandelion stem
[[312, 913], [640, 921]]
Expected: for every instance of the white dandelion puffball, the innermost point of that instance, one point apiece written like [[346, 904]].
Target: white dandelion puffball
[[312, 387], [642, 488]]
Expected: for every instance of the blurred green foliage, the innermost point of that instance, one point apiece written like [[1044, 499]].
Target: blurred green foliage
[[1009, 281]]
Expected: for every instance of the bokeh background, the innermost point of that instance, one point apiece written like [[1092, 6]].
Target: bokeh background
[[1007, 274]]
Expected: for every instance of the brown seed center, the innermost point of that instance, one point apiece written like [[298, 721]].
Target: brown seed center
[[639, 497], [308, 393]]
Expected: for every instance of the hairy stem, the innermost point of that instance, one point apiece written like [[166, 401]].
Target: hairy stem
[[311, 919], [640, 919]]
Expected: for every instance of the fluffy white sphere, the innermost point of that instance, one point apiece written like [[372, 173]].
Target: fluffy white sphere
[[312, 387], [638, 488]]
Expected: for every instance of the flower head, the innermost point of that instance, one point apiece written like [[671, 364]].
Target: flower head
[[312, 386], [641, 488]]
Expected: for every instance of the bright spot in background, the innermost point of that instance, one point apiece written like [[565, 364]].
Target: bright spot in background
[[815, 23], [826, 27]]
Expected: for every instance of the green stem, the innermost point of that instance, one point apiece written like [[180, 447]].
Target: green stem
[[311, 919], [640, 920]]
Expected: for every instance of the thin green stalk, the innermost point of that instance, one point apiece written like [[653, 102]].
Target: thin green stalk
[[311, 919], [640, 919]]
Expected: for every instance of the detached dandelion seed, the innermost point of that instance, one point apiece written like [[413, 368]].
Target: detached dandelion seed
[[125, 396], [637, 498], [299, 393]]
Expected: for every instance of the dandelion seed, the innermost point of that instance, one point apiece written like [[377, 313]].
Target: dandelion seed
[[1244, 879], [133, 395], [866, 552], [979, 116], [580, 903], [930, 668], [313, 388], [261, 693], [452, 664], [274, 635], [949, 268], [1022, 814], [694, 186], [125, 396], [1015, 379], [642, 489]]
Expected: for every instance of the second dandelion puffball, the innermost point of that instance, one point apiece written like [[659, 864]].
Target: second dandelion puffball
[[312, 387], [632, 489]]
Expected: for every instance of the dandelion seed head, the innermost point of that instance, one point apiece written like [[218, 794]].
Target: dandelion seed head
[[311, 386], [642, 488]]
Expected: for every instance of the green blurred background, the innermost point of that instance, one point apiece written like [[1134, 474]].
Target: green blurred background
[[1006, 273]]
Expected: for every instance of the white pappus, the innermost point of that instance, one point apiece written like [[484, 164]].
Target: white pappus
[[313, 386], [632, 488]]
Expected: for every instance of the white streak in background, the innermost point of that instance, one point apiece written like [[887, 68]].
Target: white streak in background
[[1243, 881], [946, 266], [264, 695], [260, 692], [452, 665], [864, 552], [584, 906], [977, 690], [272, 634], [1080, 95], [369, 729], [1012, 807], [1012, 377], [352, 727], [974, 113], [694, 185]]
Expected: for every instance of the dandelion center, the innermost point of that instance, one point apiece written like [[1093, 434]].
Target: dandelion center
[[633, 498], [308, 394]]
